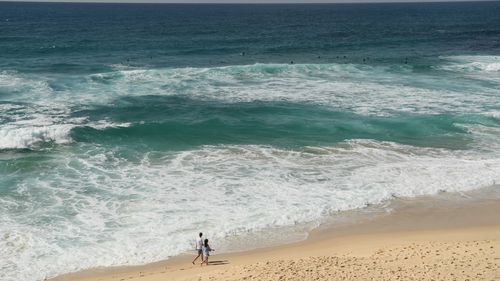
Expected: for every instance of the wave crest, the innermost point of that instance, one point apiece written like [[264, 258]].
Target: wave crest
[[29, 137], [479, 67]]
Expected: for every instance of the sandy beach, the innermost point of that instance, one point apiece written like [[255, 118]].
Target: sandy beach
[[426, 239]]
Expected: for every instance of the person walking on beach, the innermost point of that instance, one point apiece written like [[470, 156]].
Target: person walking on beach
[[206, 252], [199, 246]]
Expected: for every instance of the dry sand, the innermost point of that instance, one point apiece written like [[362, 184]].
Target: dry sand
[[421, 241]]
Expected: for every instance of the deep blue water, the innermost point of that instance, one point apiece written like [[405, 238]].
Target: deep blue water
[[80, 38], [114, 118]]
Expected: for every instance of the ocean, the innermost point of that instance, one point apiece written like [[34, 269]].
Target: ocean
[[125, 129]]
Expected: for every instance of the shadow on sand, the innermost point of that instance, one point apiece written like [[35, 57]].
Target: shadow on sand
[[218, 262]]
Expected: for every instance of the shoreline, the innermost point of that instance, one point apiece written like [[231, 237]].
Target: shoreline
[[427, 219]]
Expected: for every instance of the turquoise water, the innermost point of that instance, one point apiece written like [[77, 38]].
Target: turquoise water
[[126, 127]]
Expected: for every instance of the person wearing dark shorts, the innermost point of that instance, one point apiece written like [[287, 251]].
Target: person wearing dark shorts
[[199, 246]]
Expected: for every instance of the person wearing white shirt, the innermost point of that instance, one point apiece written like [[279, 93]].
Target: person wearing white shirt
[[199, 247]]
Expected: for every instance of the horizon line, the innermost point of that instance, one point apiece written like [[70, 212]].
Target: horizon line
[[264, 2]]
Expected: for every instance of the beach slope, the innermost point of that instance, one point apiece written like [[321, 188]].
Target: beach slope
[[415, 243]]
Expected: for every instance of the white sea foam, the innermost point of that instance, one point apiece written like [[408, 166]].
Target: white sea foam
[[105, 124], [362, 89], [475, 63], [99, 209], [23, 87], [15, 137], [33, 132], [32, 125], [26, 126], [479, 67], [494, 114], [379, 90], [367, 90], [30, 134]]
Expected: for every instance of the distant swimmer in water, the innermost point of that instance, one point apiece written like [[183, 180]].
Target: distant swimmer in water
[[242, 54], [291, 62]]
